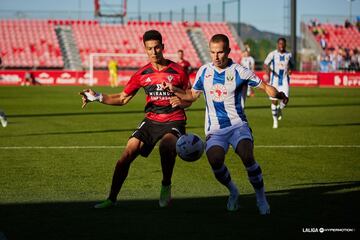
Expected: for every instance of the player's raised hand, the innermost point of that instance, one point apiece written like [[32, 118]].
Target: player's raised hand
[[168, 86], [88, 95]]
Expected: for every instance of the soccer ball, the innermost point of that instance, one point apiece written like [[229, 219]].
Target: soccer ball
[[189, 147]]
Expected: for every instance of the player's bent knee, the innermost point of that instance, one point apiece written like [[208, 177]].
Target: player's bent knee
[[167, 150], [168, 143], [128, 156], [169, 138], [247, 157], [245, 151], [216, 156]]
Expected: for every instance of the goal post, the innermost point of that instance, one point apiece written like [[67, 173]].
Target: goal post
[[137, 60]]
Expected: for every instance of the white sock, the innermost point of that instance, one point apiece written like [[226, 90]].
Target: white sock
[[260, 195], [282, 105], [232, 188], [255, 178], [274, 110], [223, 176]]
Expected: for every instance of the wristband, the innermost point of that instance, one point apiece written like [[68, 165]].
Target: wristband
[[97, 98]]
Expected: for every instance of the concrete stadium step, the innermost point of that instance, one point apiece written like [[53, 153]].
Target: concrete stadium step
[[200, 44], [69, 49]]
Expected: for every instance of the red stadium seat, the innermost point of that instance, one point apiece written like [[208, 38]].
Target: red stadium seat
[[211, 28], [128, 39], [30, 39], [33, 43], [339, 36]]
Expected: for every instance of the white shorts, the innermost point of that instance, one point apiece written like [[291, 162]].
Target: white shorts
[[283, 88], [232, 137]]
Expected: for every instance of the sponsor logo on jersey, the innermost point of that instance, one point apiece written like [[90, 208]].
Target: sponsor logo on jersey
[[218, 92], [156, 92], [170, 78], [281, 65]]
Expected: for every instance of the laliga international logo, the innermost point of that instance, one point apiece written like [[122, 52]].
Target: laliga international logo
[[230, 78], [218, 92], [281, 65], [208, 76], [170, 78]]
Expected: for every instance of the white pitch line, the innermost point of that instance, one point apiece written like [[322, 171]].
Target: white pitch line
[[61, 147], [117, 147]]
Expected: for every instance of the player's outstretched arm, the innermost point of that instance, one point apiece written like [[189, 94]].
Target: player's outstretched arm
[[189, 95], [119, 99], [272, 92]]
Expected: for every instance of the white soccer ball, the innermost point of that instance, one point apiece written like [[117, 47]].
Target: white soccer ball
[[189, 147]]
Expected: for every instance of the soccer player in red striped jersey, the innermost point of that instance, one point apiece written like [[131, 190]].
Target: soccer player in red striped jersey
[[164, 118]]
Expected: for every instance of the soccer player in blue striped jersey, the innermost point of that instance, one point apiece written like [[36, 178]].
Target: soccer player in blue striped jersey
[[224, 84], [278, 65]]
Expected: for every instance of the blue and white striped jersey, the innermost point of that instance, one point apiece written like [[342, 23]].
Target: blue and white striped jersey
[[280, 65], [225, 93]]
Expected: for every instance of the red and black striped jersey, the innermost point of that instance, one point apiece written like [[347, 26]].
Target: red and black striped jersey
[[158, 107]]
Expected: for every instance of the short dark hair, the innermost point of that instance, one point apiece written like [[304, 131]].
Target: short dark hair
[[152, 35], [220, 38], [180, 50], [281, 39]]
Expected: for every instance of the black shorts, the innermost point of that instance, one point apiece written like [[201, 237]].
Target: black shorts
[[150, 132]]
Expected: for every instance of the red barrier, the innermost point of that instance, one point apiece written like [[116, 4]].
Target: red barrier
[[306, 79], [11, 77], [59, 77], [298, 79], [339, 79]]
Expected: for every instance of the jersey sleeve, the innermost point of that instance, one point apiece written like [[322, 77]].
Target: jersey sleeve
[[199, 79], [133, 85], [269, 58], [250, 76]]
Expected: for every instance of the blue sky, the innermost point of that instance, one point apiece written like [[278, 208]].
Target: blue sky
[[263, 14]]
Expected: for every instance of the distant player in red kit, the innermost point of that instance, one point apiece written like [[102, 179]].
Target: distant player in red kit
[[162, 121], [182, 62]]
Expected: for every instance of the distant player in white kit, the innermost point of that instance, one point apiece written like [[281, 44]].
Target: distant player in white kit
[[3, 119], [224, 84], [248, 61], [278, 65]]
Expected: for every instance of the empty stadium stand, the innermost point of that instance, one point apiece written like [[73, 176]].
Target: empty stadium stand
[[127, 38], [211, 28], [29, 44], [46, 43]]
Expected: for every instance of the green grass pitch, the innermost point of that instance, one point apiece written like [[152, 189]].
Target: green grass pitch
[[48, 193]]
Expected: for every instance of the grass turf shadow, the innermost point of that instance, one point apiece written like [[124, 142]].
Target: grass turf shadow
[[318, 205]]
